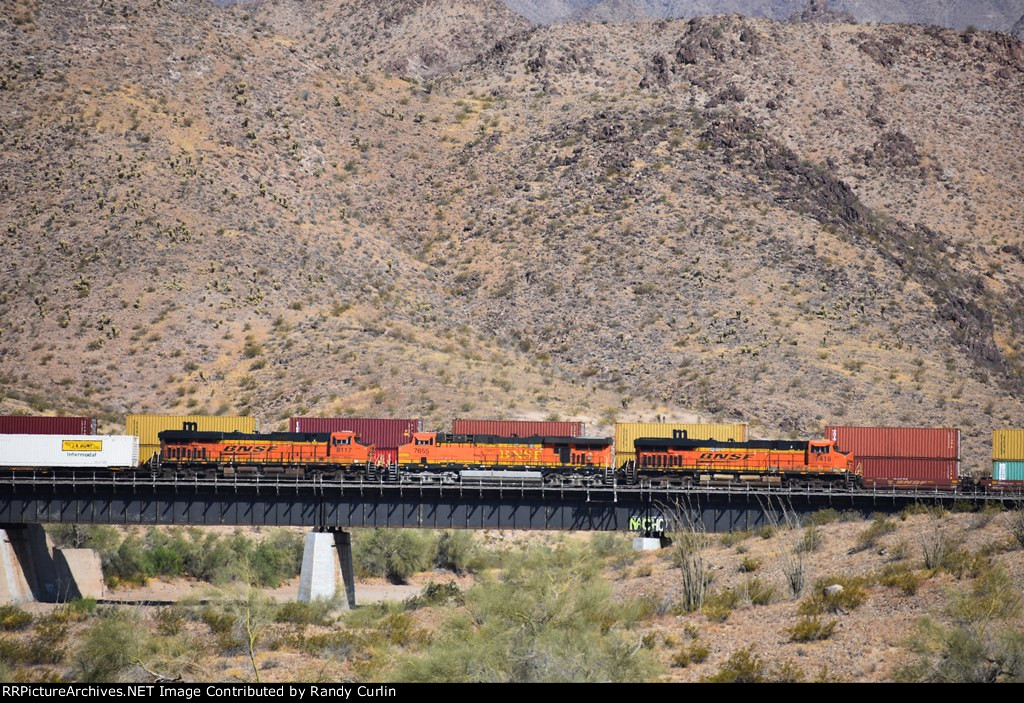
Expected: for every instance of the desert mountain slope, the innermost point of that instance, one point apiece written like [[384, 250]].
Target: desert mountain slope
[[998, 15], [435, 209]]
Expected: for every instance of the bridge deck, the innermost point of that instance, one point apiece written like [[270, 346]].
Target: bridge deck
[[127, 499]]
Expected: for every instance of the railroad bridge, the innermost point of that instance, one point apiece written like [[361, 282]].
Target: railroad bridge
[[330, 507]]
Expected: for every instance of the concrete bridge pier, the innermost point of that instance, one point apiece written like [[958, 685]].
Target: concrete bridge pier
[[327, 551], [27, 570]]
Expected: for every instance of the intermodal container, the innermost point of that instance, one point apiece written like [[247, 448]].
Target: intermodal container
[[897, 442], [31, 424], [627, 432], [69, 451], [148, 427], [1008, 470], [384, 434], [1008, 445], [518, 428], [923, 474]]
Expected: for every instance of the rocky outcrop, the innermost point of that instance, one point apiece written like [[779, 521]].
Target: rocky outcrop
[[819, 11]]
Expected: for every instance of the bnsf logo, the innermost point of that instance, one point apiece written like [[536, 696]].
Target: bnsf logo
[[249, 448], [519, 455], [712, 456]]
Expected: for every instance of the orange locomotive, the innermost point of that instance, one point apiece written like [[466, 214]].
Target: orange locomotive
[[289, 453], [759, 461], [437, 451]]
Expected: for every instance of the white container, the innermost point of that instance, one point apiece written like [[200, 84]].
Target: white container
[[68, 451]]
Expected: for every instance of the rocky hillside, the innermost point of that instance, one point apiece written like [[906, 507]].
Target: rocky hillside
[[436, 209], [999, 15]]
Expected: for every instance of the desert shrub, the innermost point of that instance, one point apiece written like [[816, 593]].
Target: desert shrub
[[935, 511], [731, 539], [339, 643], [314, 612], [610, 544], [869, 537], [457, 552], [205, 556], [110, 648], [45, 645], [549, 617], [768, 531], [746, 666], [811, 539], [985, 516], [825, 516], [942, 552], [852, 595], [981, 644], [718, 606], [899, 551], [811, 629], [1015, 525], [900, 576], [795, 572], [392, 554], [749, 565], [694, 653], [696, 578], [170, 620], [992, 596], [756, 592], [434, 594], [935, 546], [13, 618]]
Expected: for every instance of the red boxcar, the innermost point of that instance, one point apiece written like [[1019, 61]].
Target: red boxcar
[[29, 424], [897, 442], [907, 473], [518, 428], [385, 434]]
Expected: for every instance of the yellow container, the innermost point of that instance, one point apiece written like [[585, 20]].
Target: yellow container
[[626, 432], [1008, 445], [148, 427]]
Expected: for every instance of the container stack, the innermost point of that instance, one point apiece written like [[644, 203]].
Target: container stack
[[518, 428], [148, 427], [902, 457], [28, 424], [385, 435], [1008, 455], [627, 432]]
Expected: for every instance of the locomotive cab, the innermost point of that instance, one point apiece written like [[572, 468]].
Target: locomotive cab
[[823, 453]]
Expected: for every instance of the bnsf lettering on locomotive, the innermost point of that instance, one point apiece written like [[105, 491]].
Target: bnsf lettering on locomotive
[[713, 456], [247, 449], [519, 455]]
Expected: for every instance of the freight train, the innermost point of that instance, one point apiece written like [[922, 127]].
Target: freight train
[[675, 460], [436, 456]]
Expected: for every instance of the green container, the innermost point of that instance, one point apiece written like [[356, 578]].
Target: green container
[[1008, 470]]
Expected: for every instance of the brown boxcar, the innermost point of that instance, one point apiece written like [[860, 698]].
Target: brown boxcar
[[31, 424], [382, 433], [897, 442], [518, 428], [923, 474]]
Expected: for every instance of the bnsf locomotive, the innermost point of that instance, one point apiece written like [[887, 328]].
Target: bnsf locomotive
[[188, 451], [689, 461], [574, 460]]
